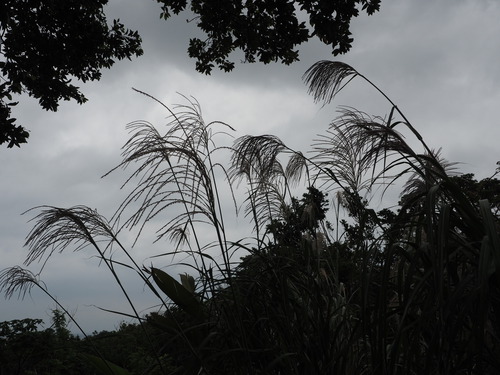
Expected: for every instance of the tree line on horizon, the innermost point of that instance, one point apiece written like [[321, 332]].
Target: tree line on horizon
[[27, 349]]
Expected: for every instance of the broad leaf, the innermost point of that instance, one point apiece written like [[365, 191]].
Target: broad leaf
[[181, 296]]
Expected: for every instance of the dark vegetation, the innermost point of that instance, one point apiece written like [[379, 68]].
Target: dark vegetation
[[25, 348], [324, 284]]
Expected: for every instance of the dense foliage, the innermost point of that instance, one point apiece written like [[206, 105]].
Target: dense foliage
[[266, 31], [25, 349], [325, 284], [44, 45]]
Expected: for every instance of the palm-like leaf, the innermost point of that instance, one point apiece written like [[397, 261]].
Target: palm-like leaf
[[57, 228], [347, 149], [256, 160], [17, 280], [176, 173], [326, 78], [297, 167], [435, 169]]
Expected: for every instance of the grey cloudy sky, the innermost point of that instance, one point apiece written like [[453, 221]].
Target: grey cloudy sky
[[438, 60]]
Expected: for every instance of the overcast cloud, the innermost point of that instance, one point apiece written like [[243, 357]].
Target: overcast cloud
[[438, 60]]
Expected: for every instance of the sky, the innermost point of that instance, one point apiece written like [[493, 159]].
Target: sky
[[438, 60]]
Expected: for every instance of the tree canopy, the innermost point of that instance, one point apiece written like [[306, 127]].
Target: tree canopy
[[266, 31], [46, 44]]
